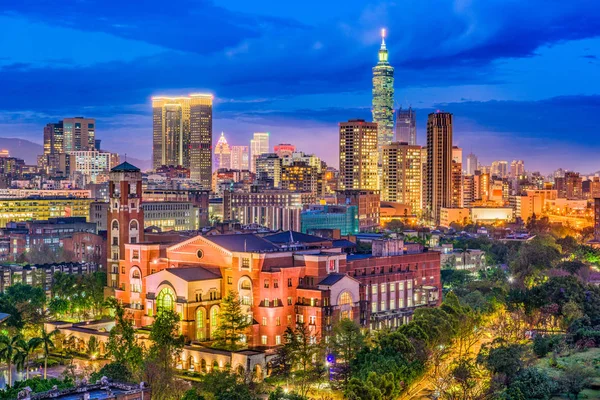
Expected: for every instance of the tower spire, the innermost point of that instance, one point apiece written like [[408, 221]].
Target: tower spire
[[382, 38]]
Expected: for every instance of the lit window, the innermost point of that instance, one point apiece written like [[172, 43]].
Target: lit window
[[263, 339], [264, 321], [345, 298], [214, 315], [165, 300]]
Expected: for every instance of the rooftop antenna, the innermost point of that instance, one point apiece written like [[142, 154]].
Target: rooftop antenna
[[291, 237]]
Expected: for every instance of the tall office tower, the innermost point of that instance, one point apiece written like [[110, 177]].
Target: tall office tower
[[402, 179], [482, 186], [358, 155], [201, 115], [79, 134], [284, 150], [406, 126], [222, 154], [517, 168], [268, 169], [468, 190], [182, 134], [383, 97], [457, 177], [259, 144], [439, 164], [471, 164], [53, 138], [499, 169], [239, 158], [572, 186]]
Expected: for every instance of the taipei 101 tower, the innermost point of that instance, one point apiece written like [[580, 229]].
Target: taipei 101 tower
[[383, 97]]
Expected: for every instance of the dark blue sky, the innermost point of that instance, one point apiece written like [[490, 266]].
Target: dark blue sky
[[521, 77]]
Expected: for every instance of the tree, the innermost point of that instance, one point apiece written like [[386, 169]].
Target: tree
[[346, 342], [503, 358], [47, 343], [576, 377], [533, 383], [26, 349], [167, 343], [463, 374], [122, 344], [114, 371], [304, 349], [8, 351], [357, 389], [232, 322], [25, 303]]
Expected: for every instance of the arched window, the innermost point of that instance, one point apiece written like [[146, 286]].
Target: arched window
[[165, 300], [200, 317], [214, 316], [345, 298], [133, 225], [136, 274], [115, 224]]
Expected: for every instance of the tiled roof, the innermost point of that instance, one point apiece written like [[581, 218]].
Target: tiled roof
[[243, 242], [125, 167], [343, 243], [192, 274]]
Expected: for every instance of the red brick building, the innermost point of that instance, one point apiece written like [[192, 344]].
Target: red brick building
[[282, 279]]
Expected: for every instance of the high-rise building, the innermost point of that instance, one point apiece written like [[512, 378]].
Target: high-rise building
[[259, 144], [92, 164], [239, 158], [268, 169], [499, 169], [457, 177], [182, 134], [78, 134], [402, 180], [406, 126], [383, 96], [53, 138], [439, 164], [284, 150], [468, 190], [471, 164], [358, 155], [300, 176], [222, 154], [517, 168]]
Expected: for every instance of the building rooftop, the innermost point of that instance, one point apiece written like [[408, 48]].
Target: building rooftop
[[192, 274], [125, 167], [246, 242], [289, 237], [332, 279], [352, 257]]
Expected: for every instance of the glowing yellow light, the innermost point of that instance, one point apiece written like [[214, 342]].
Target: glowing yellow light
[[383, 33]]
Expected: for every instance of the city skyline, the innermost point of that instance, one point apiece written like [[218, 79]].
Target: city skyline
[[485, 78]]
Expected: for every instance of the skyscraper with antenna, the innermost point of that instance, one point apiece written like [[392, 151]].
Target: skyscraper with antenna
[[383, 97]]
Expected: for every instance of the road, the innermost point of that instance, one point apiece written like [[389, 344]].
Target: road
[[425, 387]]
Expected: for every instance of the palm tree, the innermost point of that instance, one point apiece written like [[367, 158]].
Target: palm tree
[[26, 349], [47, 344], [8, 351]]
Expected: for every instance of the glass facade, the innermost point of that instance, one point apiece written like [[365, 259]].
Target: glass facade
[[344, 218]]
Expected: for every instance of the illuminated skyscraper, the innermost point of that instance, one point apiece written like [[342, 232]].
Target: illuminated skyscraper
[[402, 181], [222, 154], [258, 145], [79, 134], [239, 158], [439, 164], [471, 164], [457, 177], [383, 97], [358, 155], [182, 134], [406, 126]]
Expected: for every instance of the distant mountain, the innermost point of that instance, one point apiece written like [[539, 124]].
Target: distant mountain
[[22, 148], [29, 151]]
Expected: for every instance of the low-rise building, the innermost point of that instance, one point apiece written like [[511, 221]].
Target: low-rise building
[[342, 217], [41, 275], [171, 215], [368, 205]]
